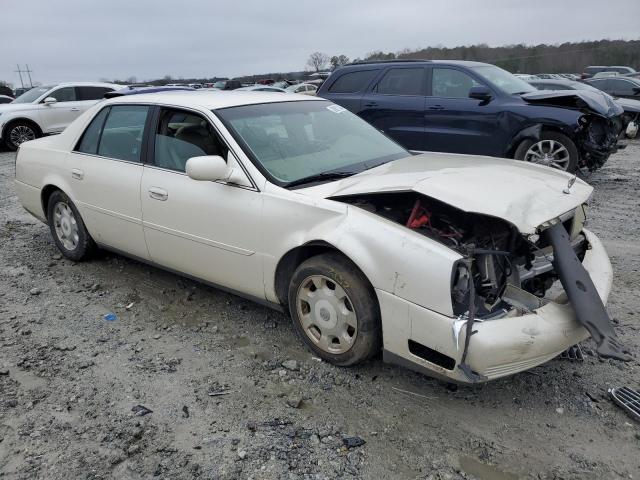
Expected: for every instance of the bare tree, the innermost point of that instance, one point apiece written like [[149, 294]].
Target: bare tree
[[318, 61], [338, 61]]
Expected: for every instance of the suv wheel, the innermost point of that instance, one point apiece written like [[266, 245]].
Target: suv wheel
[[19, 132], [334, 309], [552, 150]]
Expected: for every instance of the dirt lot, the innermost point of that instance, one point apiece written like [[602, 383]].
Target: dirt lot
[[69, 379]]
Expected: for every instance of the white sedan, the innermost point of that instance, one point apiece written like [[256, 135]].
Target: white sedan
[[441, 261]]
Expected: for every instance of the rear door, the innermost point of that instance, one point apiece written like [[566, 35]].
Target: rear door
[[105, 171], [456, 123], [395, 104], [348, 88]]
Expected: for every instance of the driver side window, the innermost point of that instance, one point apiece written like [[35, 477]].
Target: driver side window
[[66, 94], [450, 83], [181, 135]]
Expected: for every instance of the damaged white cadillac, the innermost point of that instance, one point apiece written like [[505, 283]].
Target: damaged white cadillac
[[449, 264]]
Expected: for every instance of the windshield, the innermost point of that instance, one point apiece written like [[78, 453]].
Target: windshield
[[291, 141], [220, 84], [504, 80], [33, 94]]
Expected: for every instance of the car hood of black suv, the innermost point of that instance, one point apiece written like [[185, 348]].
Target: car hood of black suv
[[581, 99]]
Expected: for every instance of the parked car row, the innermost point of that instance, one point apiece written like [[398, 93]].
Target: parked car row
[[308, 198], [477, 108]]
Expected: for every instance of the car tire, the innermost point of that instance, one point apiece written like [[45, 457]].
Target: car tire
[[67, 228], [334, 310], [19, 132], [566, 159]]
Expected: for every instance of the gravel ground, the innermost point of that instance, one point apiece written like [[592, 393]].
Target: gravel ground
[[234, 394]]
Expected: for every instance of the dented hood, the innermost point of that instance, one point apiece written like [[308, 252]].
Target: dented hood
[[597, 102], [629, 104], [521, 193]]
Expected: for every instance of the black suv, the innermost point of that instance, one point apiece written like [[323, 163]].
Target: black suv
[[477, 108]]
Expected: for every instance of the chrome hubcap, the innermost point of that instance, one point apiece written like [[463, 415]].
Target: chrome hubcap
[[21, 134], [64, 222], [326, 314], [549, 153]]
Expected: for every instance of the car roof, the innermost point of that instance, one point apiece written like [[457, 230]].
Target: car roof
[[463, 63], [211, 100], [85, 84]]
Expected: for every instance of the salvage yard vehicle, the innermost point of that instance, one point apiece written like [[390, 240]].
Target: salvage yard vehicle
[[618, 87], [630, 117], [47, 110], [479, 109], [442, 261]]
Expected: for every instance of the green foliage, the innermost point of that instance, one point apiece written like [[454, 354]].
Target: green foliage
[[563, 58]]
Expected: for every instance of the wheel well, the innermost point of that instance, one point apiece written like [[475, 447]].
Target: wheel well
[[47, 191], [23, 120], [292, 259]]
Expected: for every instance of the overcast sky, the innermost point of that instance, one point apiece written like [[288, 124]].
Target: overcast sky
[[67, 40]]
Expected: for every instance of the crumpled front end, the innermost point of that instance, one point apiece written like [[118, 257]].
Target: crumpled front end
[[533, 331], [598, 137]]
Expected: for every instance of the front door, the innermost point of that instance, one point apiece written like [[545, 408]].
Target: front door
[[209, 230], [456, 123], [105, 170], [56, 117], [395, 105]]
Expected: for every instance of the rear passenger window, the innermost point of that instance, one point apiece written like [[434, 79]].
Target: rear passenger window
[[352, 82], [92, 93], [91, 136], [182, 135], [122, 133], [402, 81]]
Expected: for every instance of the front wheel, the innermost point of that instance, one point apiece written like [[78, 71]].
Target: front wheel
[[19, 132], [67, 228], [552, 150], [334, 309]]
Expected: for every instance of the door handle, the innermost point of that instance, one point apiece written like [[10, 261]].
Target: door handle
[[158, 194], [77, 174], [371, 104], [435, 107], [74, 109]]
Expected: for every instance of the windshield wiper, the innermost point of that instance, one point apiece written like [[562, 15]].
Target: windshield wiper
[[319, 177]]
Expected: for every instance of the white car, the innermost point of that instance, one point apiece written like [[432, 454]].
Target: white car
[[47, 110], [260, 88], [302, 88], [297, 203]]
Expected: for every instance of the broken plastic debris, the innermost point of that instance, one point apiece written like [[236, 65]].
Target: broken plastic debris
[[141, 410], [352, 442], [110, 317], [129, 307], [573, 353]]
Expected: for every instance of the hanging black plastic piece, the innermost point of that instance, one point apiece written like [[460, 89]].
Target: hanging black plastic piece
[[583, 295]]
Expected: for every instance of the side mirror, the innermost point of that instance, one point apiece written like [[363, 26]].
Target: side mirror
[[480, 93], [50, 101], [209, 168]]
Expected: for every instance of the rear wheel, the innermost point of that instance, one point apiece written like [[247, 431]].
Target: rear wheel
[[67, 228], [552, 150], [19, 132], [334, 310]]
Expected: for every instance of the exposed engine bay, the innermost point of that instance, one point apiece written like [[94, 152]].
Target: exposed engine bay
[[502, 256]]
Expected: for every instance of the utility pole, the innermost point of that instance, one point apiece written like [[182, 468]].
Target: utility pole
[[19, 72], [29, 72]]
